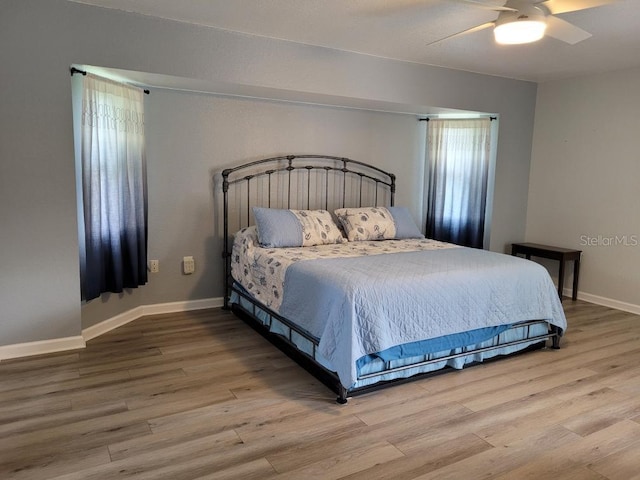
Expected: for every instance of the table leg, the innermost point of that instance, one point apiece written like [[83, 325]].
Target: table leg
[[576, 273], [561, 279]]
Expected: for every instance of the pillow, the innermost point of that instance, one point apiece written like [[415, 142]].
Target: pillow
[[295, 228], [367, 223], [405, 226], [377, 223]]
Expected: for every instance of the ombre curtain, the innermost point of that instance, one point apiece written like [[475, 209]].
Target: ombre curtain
[[458, 154], [113, 255]]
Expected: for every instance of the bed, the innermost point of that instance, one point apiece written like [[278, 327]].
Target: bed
[[320, 261]]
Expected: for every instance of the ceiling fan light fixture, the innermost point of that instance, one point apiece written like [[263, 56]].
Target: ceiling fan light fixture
[[513, 29]]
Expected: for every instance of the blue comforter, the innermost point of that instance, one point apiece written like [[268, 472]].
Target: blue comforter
[[362, 305]]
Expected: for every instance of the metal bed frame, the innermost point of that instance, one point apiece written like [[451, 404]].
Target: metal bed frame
[[318, 182]]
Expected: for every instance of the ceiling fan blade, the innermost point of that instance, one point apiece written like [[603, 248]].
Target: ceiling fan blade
[[486, 6], [464, 32], [565, 31], [566, 6]]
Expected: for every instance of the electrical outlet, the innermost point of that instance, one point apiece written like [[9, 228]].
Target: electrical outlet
[[154, 266], [188, 265]]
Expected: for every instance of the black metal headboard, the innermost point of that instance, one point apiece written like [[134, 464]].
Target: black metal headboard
[[304, 182]]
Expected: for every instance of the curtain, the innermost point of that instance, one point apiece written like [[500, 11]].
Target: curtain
[[113, 239], [458, 154]]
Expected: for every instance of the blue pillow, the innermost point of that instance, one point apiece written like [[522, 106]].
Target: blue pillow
[[277, 228], [295, 228], [405, 226]]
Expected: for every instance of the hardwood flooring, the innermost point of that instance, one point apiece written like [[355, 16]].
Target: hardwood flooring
[[201, 395]]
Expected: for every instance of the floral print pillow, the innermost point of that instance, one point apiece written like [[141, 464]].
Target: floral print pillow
[[367, 223], [318, 228]]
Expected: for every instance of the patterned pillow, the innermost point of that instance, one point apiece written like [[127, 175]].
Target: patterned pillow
[[377, 223], [295, 228], [367, 223]]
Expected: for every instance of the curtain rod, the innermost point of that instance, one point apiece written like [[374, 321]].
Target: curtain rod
[[75, 70], [426, 119]]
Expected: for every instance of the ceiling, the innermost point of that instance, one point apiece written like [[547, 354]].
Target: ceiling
[[401, 29]]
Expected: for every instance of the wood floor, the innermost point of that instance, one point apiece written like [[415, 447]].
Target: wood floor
[[201, 395]]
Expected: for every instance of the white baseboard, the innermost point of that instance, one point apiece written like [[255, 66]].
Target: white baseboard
[[184, 306], [153, 309], [71, 343], [40, 347], [111, 323], [605, 302]]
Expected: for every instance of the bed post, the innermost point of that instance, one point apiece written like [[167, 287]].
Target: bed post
[[342, 398], [225, 241], [392, 188], [555, 341]]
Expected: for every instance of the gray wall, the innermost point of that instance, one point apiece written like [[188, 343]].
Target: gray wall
[[184, 219], [585, 178], [39, 294]]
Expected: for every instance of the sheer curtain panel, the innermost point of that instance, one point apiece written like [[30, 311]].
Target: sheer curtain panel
[[458, 157], [113, 230]]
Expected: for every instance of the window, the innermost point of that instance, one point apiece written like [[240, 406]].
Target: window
[[458, 164], [112, 187]]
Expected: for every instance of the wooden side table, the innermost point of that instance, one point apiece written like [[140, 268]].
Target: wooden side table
[[554, 253]]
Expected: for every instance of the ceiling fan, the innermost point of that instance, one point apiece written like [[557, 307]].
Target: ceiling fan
[[526, 21]]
